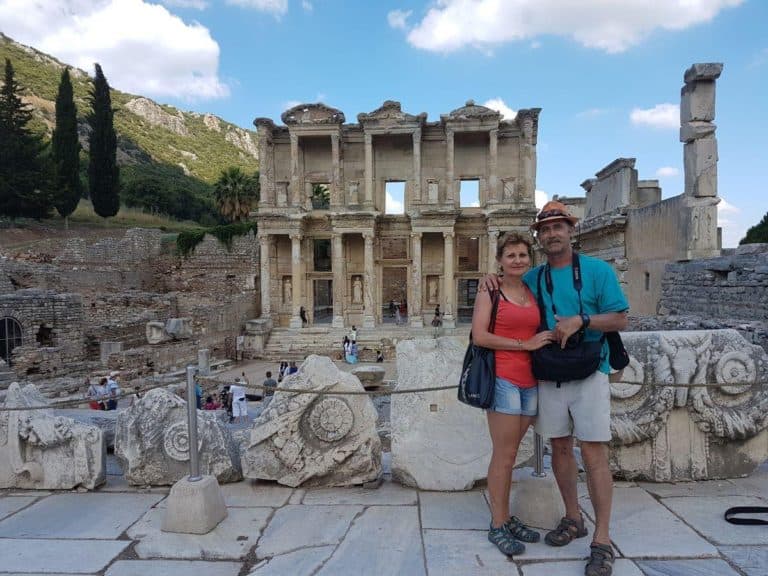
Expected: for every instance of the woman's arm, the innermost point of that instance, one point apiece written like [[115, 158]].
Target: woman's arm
[[481, 317]]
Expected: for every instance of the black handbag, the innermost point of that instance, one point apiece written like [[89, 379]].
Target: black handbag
[[618, 357], [478, 372], [579, 359]]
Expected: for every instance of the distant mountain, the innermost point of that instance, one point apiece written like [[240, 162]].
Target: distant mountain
[[201, 145]]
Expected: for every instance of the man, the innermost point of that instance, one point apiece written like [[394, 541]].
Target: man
[[580, 408], [239, 402], [112, 391], [269, 383]]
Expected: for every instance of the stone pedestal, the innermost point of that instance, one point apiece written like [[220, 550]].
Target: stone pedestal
[[204, 361], [536, 499], [194, 507]]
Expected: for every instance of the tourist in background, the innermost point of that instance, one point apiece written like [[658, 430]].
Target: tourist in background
[[112, 391], [353, 352], [211, 404], [515, 397], [94, 393], [269, 389], [292, 368], [239, 402], [379, 356]]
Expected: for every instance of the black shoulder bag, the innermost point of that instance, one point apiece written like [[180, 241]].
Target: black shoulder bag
[[579, 359], [478, 373]]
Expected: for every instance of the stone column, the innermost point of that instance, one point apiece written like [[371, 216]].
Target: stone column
[[296, 186], [267, 174], [493, 161], [449, 184], [265, 276], [493, 241], [368, 201], [449, 320], [416, 197], [527, 121], [368, 283], [297, 282], [339, 280], [336, 187], [417, 296]]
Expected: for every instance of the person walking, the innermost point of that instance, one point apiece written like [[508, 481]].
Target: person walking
[[239, 402], [515, 396], [578, 407], [269, 389]]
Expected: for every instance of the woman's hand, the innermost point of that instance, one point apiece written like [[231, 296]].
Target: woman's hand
[[539, 340]]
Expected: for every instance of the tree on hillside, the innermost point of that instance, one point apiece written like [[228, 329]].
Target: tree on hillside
[[236, 193], [23, 187], [66, 150], [103, 172], [758, 233]]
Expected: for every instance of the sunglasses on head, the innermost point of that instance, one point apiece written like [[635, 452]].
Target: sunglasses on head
[[551, 214]]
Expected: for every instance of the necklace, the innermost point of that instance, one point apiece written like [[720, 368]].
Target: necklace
[[518, 296]]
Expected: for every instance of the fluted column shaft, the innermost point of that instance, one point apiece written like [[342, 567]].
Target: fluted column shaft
[[368, 283], [339, 280], [265, 277], [336, 187], [295, 185], [449, 184], [493, 241], [297, 281], [415, 299], [368, 170], [416, 196], [448, 280], [493, 161]]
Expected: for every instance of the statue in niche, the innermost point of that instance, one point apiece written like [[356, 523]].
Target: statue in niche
[[357, 290], [287, 290], [432, 290], [432, 191]]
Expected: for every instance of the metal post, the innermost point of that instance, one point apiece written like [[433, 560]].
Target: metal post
[[194, 461], [538, 453]]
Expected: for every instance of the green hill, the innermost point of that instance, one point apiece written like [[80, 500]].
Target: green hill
[[184, 150]]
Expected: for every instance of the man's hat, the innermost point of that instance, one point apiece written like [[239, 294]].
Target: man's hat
[[551, 211]]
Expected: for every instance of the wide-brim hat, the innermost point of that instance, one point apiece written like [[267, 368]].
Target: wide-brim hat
[[551, 211]]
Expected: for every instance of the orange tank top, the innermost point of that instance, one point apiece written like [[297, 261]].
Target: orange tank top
[[521, 322]]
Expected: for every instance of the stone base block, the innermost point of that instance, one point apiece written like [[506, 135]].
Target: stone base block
[[449, 321], [536, 499], [368, 322], [295, 322], [194, 507]]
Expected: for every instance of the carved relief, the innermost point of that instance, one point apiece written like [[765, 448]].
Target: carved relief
[[433, 289], [357, 290]]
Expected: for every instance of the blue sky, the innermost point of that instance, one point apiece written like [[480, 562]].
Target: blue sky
[[607, 75]]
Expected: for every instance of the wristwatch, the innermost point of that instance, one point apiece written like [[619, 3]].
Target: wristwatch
[[585, 320]]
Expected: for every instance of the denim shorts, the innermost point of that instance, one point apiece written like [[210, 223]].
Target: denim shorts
[[508, 398]]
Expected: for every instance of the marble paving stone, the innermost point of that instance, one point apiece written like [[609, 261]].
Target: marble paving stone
[[709, 488], [172, 568], [706, 516], [634, 511], [387, 493], [120, 484], [251, 493], [35, 493], [302, 562], [383, 541], [57, 556], [752, 560], [454, 510], [754, 485], [710, 567], [12, 504], [297, 496], [75, 516], [293, 527], [463, 553], [621, 567], [230, 540]]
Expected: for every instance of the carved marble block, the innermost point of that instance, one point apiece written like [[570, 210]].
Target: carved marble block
[[688, 431], [152, 442], [41, 451], [155, 332], [316, 440]]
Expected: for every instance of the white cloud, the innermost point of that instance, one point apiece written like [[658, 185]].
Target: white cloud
[[728, 218], [394, 206], [535, 44], [195, 4], [609, 26], [667, 172], [142, 47], [660, 116], [307, 6], [500, 106], [399, 18], [540, 198], [758, 59], [276, 7]]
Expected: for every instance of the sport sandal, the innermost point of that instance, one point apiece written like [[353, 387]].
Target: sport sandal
[[504, 540], [566, 531], [520, 531], [601, 559]]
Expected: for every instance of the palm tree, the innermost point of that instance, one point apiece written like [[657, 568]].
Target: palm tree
[[236, 193]]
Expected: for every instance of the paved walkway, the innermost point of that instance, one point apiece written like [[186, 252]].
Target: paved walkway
[[272, 530]]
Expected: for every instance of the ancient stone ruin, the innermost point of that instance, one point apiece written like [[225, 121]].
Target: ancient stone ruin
[[152, 442], [41, 451], [313, 439]]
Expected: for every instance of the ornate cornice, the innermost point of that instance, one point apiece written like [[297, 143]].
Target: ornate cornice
[[312, 115], [472, 111], [390, 113]]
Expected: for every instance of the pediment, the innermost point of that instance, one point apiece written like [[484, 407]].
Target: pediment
[[472, 111], [312, 114], [390, 113]]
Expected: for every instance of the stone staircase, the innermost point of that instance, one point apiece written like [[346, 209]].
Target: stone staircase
[[295, 344]]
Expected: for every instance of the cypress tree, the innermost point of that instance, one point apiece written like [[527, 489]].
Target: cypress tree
[[23, 190], [66, 149], [103, 172]]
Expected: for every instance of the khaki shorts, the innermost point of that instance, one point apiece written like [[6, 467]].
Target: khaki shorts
[[580, 408]]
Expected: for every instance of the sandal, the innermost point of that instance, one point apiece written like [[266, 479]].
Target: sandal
[[521, 531], [566, 531], [601, 559], [505, 541]]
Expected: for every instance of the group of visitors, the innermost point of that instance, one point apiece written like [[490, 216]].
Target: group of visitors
[[104, 394], [398, 311], [582, 300], [286, 368]]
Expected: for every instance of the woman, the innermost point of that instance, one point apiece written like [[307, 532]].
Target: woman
[[515, 397]]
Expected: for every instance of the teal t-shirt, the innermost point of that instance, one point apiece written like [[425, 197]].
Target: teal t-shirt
[[600, 293]]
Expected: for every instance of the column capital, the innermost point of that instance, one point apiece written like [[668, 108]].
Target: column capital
[[334, 136], [417, 135], [449, 132], [295, 236], [416, 235], [449, 234], [368, 236], [494, 234], [294, 138], [494, 132]]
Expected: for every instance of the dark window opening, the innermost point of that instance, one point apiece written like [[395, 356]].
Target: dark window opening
[[647, 281], [44, 335], [321, 197], [322, 255]]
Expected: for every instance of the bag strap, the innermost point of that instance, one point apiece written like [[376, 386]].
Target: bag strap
[[729, 515], [576, 269], [494, 295], [540, 299]]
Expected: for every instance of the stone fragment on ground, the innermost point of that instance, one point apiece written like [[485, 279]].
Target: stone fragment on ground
[[152, 442], [316, 440]]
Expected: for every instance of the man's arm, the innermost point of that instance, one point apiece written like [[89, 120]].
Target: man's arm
[[566, 326]]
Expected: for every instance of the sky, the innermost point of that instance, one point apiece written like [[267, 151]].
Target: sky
[[607, 74]]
